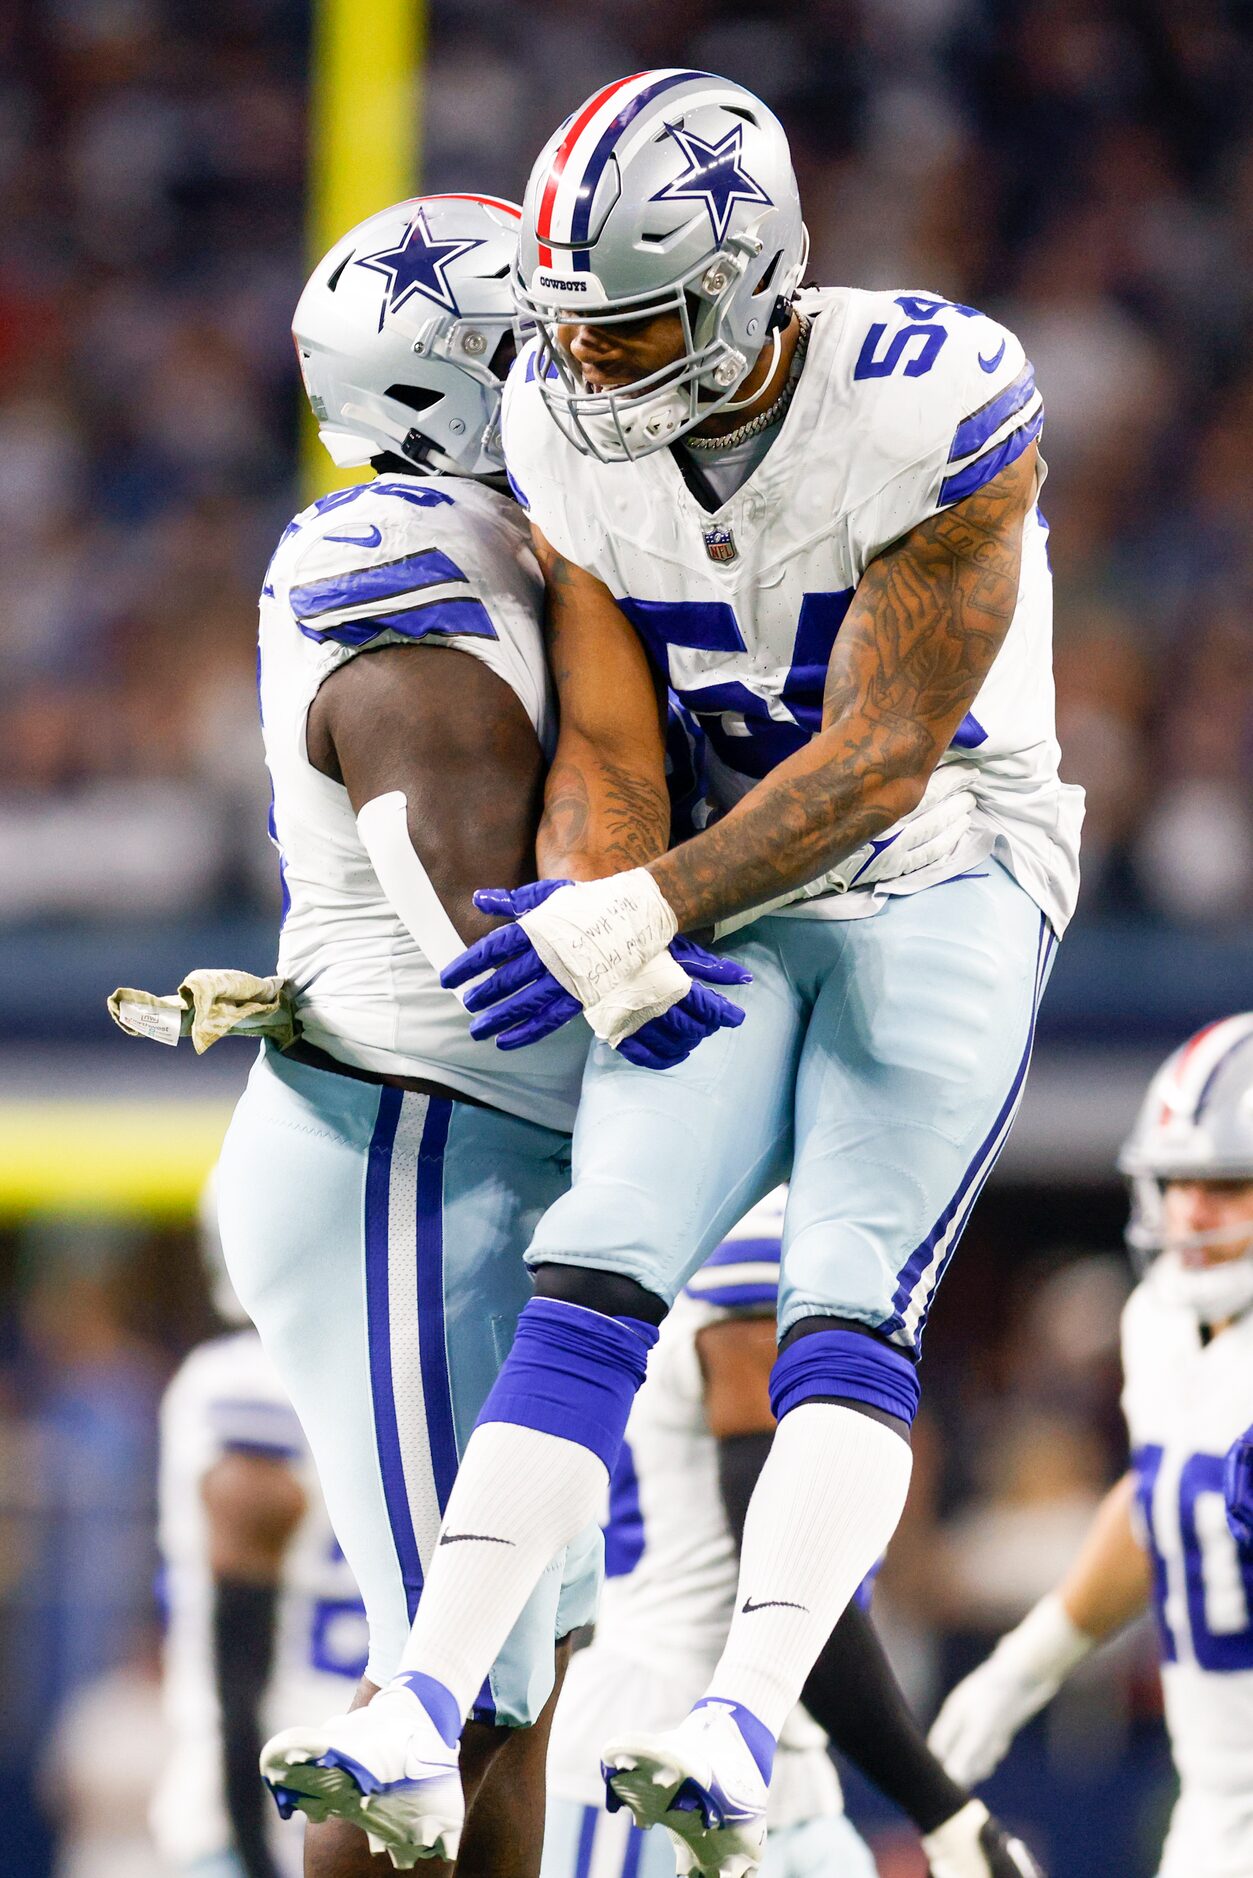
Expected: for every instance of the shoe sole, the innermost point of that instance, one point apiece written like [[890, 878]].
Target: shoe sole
[[399, 1820], [647, 1782]]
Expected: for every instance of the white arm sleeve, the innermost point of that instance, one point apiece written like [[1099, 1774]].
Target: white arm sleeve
[[383, 825]]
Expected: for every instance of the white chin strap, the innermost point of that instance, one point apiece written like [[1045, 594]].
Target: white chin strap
[[1214, 1292], [657, 416]]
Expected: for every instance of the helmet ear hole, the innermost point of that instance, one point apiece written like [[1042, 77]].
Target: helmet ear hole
[[413, 397], [772, 268], [503, 357]]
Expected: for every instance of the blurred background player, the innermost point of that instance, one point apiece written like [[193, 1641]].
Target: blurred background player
[[264, 1624], [698, 1434], [1162, 1534]]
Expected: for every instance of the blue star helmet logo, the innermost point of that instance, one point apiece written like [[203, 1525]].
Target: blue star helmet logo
[[713, 176], [418, 264]]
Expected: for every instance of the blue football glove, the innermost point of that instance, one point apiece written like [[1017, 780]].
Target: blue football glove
[[521, 1002], [666, 1040], [1238, 1489]]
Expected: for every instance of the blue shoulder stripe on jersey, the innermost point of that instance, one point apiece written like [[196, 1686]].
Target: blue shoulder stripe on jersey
[[519, 494], [744, 1251], [739, 1297], [991, 463], [445, 618], [386, 580], [974, 431]]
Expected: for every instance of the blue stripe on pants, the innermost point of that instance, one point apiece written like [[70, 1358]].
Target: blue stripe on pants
[[587, 1837], [976, 1173], [634, 1853], [378, 1329], [436, 1395]]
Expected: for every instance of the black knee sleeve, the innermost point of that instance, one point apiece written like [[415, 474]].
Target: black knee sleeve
[[606, 1292]]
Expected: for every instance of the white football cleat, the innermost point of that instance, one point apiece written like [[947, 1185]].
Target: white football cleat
[[702, 1783], [974, 1845], [385, 1768]]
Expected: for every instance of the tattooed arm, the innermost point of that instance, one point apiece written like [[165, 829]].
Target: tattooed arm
[[605, 802], [924, 626]]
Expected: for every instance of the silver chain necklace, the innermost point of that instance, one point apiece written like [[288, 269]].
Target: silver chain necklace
[[773, 413]]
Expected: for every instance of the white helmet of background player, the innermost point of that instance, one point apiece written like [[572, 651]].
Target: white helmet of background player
[[669, 192], [1196, 1123], [405, 333]]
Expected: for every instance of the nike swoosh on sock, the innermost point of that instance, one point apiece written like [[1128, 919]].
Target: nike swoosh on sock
[[771, 1604], [484, 1538]]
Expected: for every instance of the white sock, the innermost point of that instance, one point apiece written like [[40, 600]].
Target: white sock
[[823, 1509], [523, 1495]]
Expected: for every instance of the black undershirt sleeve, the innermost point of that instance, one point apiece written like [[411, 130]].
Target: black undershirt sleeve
[[243, 1649], [852, 1691]]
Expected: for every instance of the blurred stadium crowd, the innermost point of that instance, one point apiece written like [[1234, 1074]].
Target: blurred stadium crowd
[[1082, 168]]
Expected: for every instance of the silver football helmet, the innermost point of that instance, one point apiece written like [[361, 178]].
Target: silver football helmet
[[668, 192], [405, 333], [1195, 1123]]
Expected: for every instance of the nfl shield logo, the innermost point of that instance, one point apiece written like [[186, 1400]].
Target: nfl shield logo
[[719, 542]]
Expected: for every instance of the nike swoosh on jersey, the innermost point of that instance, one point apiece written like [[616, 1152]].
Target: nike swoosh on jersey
[[484, 1538], [990, 365], [771, 1604], [374, 537]]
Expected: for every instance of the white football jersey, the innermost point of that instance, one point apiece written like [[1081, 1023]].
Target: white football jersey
[[441, 561], [226, 1398], [906, 405], [1185, 1403], [671, 1565]]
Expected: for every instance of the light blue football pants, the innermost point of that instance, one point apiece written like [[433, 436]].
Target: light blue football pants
[[880, 1065], [588, 1842], [376, 1239]]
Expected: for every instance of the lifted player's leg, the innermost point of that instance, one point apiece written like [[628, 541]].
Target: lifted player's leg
[[664, 1165], [913, 1066], [386, 1298]]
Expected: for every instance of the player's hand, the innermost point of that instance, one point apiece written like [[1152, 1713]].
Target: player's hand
[[1238, 1489], [520, 1001], [669, 1039], [972, 1732]]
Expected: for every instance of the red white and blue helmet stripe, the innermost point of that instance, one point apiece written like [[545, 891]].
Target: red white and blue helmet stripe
[[1190, 1074], [564, 214]]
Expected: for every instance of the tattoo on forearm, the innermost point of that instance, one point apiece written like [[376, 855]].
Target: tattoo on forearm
[[925, 624], [636, 816], [563, 827], [629, 813]]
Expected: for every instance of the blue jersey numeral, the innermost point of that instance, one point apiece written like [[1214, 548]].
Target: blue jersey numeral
[[921, 312], [740, 726], [1218, 1577]]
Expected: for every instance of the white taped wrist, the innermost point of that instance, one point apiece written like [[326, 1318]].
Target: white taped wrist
[[648, 993], [1046, 1645], [595, 935]]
